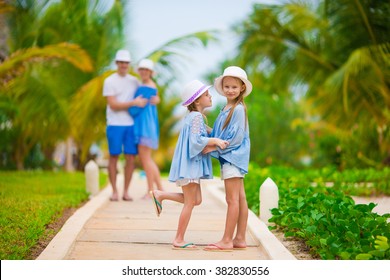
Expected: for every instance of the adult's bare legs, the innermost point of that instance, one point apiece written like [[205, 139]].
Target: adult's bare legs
[[112, 172], [151, 169], [192, 196], [129, 169]]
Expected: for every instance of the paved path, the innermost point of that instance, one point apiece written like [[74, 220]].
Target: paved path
[[105, 230]]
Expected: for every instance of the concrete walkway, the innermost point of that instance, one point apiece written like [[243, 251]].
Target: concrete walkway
[[105, 230]]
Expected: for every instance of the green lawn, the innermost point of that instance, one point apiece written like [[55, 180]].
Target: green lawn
[[30, 201]]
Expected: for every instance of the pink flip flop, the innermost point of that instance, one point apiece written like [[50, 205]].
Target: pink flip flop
[[216, 248]]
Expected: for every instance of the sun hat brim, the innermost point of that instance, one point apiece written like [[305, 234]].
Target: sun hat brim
[[146, 64], [198, 93], [218, 84]]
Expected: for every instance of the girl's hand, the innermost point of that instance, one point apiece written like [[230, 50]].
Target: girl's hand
[[209, 149], [222, 143], [140, 101], [154, 100]]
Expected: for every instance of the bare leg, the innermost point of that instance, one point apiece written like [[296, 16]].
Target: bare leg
[[239, 240], [162, 195], [192, 193], [129, 168], [151, 169], [112, 173], [233, 210]]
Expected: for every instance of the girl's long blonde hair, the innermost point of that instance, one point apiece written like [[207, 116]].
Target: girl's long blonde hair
[[239, 99]]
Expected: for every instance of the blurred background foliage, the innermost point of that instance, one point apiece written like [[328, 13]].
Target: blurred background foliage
[[321, 92]]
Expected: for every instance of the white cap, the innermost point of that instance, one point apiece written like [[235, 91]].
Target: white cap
[[146, 64], [122, 55]]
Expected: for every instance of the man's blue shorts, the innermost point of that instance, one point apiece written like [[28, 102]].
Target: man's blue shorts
[[121, 137]]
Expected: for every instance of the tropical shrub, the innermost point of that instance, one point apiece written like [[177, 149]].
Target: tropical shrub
[[315, 206]]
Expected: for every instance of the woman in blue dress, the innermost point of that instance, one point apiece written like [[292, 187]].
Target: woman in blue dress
[[189, 165], [146, 128]]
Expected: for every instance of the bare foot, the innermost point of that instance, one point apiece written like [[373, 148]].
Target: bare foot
[[146, 196], [239, 244], [127, 198], [114, 197]]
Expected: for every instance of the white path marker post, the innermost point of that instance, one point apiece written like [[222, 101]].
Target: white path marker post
[[269, 198], [92, 177]]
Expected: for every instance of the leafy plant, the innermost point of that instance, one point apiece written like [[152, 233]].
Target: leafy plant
[[321, 214]]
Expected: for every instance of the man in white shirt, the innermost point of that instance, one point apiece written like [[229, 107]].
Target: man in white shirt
[[119, 88]]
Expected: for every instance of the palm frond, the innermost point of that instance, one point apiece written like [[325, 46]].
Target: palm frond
[[172, 57], [69, 52], [5, 7], [87, 113]]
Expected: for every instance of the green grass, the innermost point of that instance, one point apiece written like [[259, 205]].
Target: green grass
[[30, 201]]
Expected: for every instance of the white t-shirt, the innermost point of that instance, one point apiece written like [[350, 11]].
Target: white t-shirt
[[123, 88]]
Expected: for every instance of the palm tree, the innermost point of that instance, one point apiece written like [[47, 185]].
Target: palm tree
[[312, 43], [89, 24], [22, 109]]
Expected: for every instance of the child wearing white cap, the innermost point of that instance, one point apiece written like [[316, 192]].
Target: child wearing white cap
[[232, 125], [189, 165]]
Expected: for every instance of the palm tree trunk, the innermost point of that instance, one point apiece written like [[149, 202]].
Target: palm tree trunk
[[3, 38], [18, 156], [69, 155]]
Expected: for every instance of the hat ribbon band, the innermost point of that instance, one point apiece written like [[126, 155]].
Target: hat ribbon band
[[194, 96]]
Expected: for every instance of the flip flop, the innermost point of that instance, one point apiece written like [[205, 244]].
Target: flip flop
[[239, 248], [157, 205], [188, 247], [216, 248], [127, 199]]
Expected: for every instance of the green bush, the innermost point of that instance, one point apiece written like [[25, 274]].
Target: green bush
[[324, 217]]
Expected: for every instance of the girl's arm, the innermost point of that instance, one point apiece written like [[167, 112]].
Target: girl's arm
[[216, 142], [155, 100], [234, 133]]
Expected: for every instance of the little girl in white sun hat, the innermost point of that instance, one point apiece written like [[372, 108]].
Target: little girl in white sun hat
[[232, 125]]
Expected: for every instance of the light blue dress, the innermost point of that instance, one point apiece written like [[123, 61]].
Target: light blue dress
[[188, 161], [237, 134], [146, 127]]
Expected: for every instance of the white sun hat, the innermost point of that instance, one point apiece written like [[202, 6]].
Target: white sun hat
[[146, 64], [192, 91], [233, 71], [123, 55]]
